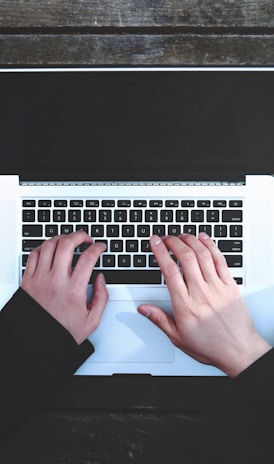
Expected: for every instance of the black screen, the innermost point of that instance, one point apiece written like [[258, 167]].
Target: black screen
[[132, 125]]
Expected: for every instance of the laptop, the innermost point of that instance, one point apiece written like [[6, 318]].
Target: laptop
[[126, 153]]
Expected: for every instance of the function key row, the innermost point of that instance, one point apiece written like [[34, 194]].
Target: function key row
[[62, 203]]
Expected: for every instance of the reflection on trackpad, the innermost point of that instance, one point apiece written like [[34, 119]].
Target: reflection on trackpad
[[126, 336]]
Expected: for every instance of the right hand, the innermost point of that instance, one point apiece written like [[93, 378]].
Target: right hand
[[211, 320]]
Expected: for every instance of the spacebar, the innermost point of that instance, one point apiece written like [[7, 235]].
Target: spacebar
[[129, 276]]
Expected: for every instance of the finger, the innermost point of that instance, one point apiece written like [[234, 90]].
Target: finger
[[32, 263], [161, 319], [170, 270], [97, 303], [218, 259], [46, 255], [65, 250], [204, 258], [190, 267], [84, 267]]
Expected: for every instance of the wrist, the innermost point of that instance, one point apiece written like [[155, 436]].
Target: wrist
[[255, 350]]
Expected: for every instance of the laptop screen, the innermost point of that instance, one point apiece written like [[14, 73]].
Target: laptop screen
[[132, 125]]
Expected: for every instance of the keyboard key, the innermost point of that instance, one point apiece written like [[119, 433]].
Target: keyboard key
[[92, 203], [97, 231], [156, 203], [108, 260], [29, 245], [108, 203], [51, 230], [32, 231], [59, 215], [113, 231], [236, 203], [231, 245], [145, 246], [159, 230], [143, 231], [131, 245], [74, 215], [236, 231], [172, 203], [234, 260], [90, 215], [83, 227], [232, 215], [44, 203], [153, 261], [120, 215], [136, 215], [166, 215], [140, 203], [44, 215], [105, 215], [212, 215], [197, 215], [190, 229], [130, 276], [219, 203], [182, 215], [174, 230], [139, 260], [116, 245], [76, 203], [203, 203], [28, 215], [124, 260], [60, 203], [206, 229], [220, 231], [66, 229], [124, 203], [151, 215], [187, 203], [128, 231], [29, 203]]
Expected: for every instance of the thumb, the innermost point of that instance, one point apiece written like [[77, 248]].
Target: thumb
[[160, 318]]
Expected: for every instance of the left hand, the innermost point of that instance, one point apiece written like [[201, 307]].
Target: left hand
[[50, 280]]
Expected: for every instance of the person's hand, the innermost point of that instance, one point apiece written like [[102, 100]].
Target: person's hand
[[211, 320], [50, 280]]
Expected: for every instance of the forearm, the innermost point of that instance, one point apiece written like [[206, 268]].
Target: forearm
[[257, 382], [37, 355]]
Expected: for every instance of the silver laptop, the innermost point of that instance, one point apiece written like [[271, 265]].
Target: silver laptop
[[127, 153]]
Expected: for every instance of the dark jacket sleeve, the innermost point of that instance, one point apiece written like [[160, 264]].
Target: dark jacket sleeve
[[257, 383], [37, 355]]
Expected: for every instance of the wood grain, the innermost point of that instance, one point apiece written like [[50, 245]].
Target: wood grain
[[135, 50], [135, 13]]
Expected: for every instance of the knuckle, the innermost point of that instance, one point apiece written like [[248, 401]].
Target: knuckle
[[170, 269]]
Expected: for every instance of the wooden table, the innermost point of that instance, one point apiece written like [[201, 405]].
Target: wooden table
[[139, 419]]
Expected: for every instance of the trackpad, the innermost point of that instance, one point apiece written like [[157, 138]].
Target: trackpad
[[126, 336]]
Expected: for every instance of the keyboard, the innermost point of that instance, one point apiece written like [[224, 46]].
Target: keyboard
[[125, 226]]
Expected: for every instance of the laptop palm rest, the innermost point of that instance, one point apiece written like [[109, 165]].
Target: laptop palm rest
[[126, 336]]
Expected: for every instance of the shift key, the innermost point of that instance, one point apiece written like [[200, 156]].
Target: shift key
[[234, 260]]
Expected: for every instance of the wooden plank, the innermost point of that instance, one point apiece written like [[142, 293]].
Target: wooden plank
[[135, 13], [140, 437], [135, 49]]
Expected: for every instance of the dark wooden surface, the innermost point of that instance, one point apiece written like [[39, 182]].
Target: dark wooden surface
[[129, 420]]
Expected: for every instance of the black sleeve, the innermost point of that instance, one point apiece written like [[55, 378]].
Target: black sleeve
[[257, 383], [36, 356]]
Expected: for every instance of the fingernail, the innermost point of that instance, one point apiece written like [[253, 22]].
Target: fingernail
[[102, 280], [156, 240], [203, 236], [145, 311]]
